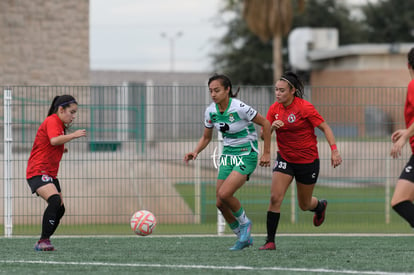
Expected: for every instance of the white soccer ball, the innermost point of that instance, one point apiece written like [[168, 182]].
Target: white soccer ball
[[143, 222]]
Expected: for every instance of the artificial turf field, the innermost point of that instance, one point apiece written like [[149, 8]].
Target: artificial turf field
[[295, 254]]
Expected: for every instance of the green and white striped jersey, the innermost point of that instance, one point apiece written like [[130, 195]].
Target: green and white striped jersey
[[239, 134]]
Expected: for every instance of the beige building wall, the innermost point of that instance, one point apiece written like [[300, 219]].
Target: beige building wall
[[363, 68], [44, 42], [362, 78], [378, 75]]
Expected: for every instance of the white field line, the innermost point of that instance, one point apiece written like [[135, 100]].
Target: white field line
[[227, 235], [206, 267]]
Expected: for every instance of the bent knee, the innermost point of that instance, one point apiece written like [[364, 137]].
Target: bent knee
[[223, 196], [396, 201], [305, 205], [219, 204]]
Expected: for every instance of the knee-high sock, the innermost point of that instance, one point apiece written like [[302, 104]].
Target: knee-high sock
[[406, 210], [50, 215], [272, 223], [59, 215]]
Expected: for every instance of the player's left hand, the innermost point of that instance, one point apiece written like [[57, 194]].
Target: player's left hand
[[336, 159]]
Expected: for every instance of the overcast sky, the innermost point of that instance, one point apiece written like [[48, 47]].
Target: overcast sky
[[126, 34]]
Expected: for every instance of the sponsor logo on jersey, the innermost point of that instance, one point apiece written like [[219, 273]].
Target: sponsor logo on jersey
[[224, 127]]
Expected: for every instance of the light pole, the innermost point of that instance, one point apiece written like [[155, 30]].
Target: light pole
[[171, 39]]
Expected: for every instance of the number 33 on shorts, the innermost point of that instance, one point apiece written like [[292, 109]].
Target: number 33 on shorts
[[280, 164]]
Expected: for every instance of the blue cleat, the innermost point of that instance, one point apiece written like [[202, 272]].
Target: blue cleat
[[239, 245], [245, 231]]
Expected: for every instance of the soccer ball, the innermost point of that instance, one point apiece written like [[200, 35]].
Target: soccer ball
[[143, 222]]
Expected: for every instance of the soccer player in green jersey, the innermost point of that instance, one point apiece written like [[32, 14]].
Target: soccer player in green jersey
[[234, 119]]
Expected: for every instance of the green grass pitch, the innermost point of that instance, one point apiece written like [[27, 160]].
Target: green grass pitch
[[295, 254]]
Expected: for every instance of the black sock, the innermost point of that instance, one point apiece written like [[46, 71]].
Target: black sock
[[59, 215], [406, 210], [49, 216], [272, 222], [318, 208]]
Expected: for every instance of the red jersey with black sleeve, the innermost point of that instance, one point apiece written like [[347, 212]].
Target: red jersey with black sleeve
[[45, 158], [409, 110], [296, 139]]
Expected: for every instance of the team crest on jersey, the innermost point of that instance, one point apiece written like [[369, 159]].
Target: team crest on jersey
[[291, 118], [231, 118], [46, 178]]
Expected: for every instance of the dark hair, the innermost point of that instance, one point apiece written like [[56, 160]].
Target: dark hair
[[63, 100], [294, 82], [225, 81], [411, 58]]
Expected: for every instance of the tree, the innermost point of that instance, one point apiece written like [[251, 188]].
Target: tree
[[332, 14], [240, 54], [389, 21], [270, 19], [249, 60]]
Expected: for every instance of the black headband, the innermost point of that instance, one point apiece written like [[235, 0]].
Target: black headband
[[67, 103]]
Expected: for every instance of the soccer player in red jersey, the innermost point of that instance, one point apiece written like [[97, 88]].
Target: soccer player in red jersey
[[403, 197], [43, 164], [294, 120]]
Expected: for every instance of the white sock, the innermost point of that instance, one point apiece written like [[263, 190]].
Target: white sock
[[242, 219]]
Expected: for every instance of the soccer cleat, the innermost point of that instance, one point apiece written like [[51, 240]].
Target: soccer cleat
[[319, 217], [245, 231], [239, 245], [44, 245], [268, 246]]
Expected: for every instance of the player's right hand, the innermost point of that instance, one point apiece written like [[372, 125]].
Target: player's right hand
[[277, 124]]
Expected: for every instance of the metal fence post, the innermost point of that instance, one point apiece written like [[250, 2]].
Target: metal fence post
[[387, 190], [221, 223], [8, 223]]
